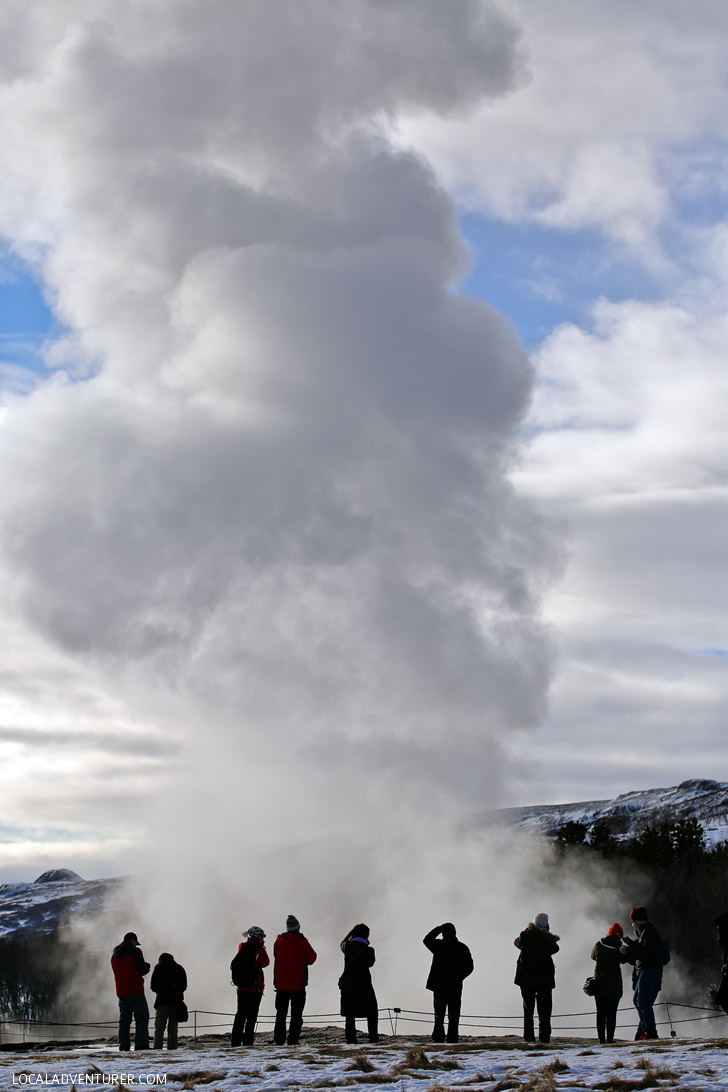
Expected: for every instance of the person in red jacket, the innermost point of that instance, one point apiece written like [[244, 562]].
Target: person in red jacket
[[247, 972], [292, 956], [129, 968]]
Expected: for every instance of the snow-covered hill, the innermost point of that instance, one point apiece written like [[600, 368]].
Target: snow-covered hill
[[38, 906], [628, 814]]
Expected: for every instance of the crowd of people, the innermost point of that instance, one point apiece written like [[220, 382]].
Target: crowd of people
[[452, 963]]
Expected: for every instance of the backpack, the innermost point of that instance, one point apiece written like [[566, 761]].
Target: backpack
[[665, 953], [243, 970]]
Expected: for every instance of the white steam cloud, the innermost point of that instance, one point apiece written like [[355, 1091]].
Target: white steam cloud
[[263, 498]]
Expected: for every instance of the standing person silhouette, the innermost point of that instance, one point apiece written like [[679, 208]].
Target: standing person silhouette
[[536, 976], [358, 998], [451, 963]]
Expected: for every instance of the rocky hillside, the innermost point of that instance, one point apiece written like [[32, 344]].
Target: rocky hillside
[[628, 814]]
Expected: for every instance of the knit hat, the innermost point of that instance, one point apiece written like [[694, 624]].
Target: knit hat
[[639, 914], [615, 930], [255, 932], [541, 921], [131, 938], [292, 924]]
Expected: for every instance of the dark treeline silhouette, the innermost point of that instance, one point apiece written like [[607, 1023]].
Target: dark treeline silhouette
[[670, 867], [31, 974]]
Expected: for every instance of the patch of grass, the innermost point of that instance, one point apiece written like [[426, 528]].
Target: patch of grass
[[415, 1058], [586, 1053], [360, 1061], [662, 1072], [198, 1076], [618, 1064], [272, 1068], [557, 1066]]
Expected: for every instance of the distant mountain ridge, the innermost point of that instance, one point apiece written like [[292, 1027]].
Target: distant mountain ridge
[[629, 813], [40, 906]]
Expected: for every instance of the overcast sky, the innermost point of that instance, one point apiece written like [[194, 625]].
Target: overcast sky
[[362, 414]]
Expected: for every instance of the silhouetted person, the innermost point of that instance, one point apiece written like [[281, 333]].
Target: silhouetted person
[[721, 995], [451, 963], [608, 960], [247, 974], [536, 976], [292, 956], [646, 955], [357, 992], [169, 982], [129, 968]]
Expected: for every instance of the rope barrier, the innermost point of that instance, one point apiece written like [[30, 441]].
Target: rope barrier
[[395, 1015]]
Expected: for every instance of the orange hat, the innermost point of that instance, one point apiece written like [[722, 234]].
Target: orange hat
[[615, 930]]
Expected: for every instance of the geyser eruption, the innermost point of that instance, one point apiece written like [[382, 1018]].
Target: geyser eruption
[[263, 493]]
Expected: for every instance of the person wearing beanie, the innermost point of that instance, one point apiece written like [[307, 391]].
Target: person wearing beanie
[[292, 956], [130, 967], [451, 963], [168, 982], [358, 998], [608, 960], [535, 975], [646, 954], [720, 997], [247, 975]]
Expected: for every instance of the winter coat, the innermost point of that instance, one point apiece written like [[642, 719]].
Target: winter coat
[[646, 952], [292, 956], [535, 967], [451, 963], [168, 981], [608, 968], [256, 951], [129, 968], [357, 992]]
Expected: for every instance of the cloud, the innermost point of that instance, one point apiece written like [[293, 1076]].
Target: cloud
[[606, 132], [629, 450], [263, 502]]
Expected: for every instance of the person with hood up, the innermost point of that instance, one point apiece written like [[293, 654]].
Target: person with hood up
[[536, 976], [608, 961], [451, 964], [247, 974], [292, 956], [357, 992], [129, 968], [646, 955], [169, 982], [720, 998]]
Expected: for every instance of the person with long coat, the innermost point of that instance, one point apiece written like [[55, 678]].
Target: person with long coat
[[608, 962], [536, 976], [169, 982], [451, 963], [357, 992]]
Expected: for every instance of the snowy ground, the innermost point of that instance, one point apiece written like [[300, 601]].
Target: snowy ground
[[398, 1064]]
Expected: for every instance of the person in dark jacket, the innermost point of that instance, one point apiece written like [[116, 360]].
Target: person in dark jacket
[[292, 956], [646, 955], [129, 968], [451, 964], [536, 976], [254, 958], [357, 992], [169, 982], [720, 998], [608, 961]]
